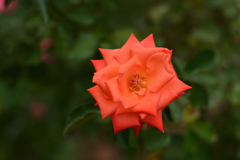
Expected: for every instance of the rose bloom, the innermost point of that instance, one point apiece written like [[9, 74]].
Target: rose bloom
[[135, 83]]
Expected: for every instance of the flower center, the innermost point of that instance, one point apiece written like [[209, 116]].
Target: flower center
[[137, 82]]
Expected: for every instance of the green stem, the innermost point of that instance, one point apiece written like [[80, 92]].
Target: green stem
[[141, 145]]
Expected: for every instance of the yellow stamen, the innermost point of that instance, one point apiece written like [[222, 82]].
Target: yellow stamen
[[137, 82]]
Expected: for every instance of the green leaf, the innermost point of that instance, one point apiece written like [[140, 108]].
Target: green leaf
[[176, 110], [122, 137], [166, 115], [202, 60], [157, 13], [190, 114], [84, 47], [176, 68], [190, 141], [205, 131], [234, 93], [62, 42], [121, 35], [175, 149], [198, 96], [80, 115], [133, 139], [42, 6], [81, 16], [238, 152], [155, 139], [113, 5], [208, 33], [61, 5], [33, 59]]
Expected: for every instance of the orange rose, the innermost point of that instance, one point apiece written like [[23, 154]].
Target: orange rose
[[135, 83]]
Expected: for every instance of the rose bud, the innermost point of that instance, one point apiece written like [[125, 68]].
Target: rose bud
[[46, 44], [135, 83], [38, 110]]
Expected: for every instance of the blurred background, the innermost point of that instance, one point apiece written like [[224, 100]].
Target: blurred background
[[45, 69]]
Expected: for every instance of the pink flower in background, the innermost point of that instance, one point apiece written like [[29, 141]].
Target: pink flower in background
[[38, 110], [47, 58], [10, 7], [44, 46]]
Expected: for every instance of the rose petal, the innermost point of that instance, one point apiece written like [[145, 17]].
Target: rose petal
[[155, 121], [159, 71], [137, 129], [108, 54], [175, 74], [112, 85], [125, 71], [166, 98], [181, 94], [148, 42], [143, 115], [124, 54], [123, 121], [129, 100], [98, 64], [177, 86], [170, 53], [105, 74], [106, 106], [148, 104], [142, 92], [144, 53]]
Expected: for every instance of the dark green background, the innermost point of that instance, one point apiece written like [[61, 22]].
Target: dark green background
[[204, 36]]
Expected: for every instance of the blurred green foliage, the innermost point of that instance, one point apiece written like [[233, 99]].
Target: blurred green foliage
[[37, 95]]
